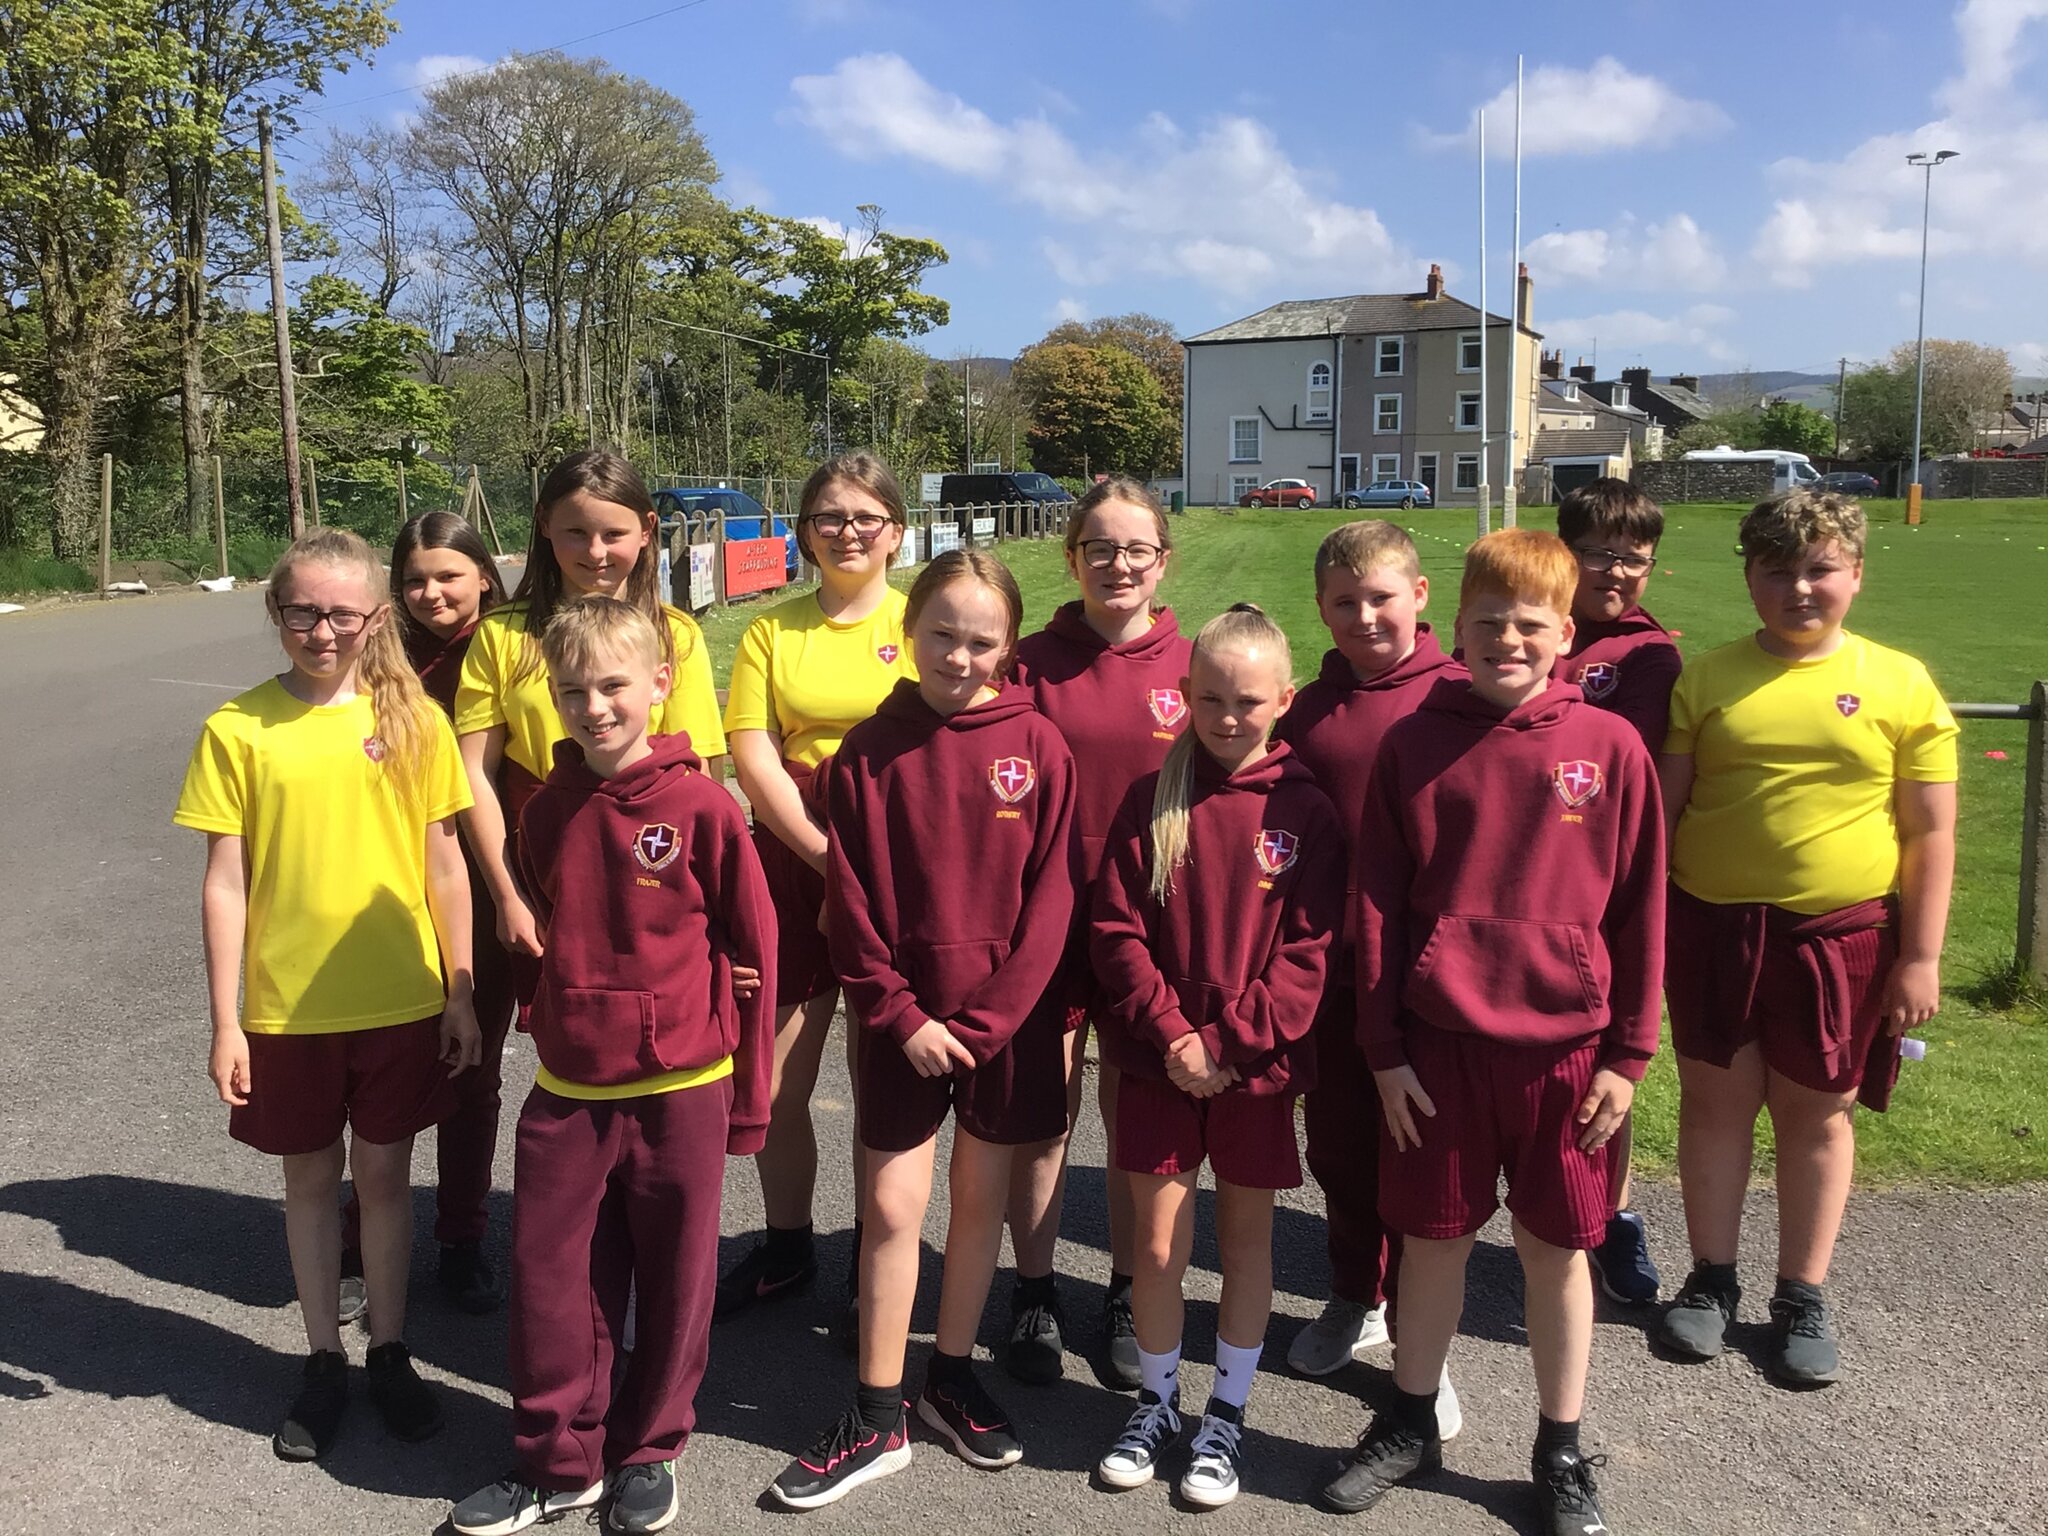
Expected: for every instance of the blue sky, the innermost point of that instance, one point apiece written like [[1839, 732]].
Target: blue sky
[[1705, 187]]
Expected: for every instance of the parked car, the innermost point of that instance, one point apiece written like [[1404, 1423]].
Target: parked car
[[1007, 487], [1391, 493], [1281, 493], [1851, 482], [745, 518]]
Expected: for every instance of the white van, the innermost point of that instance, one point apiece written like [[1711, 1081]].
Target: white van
[[1788, 470]]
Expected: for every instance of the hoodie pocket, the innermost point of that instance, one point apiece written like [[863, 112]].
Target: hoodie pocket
[[946, 975], [599, 1037], [1516, 978]]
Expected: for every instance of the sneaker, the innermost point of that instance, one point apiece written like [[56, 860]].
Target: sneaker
[[1211, 1478], [467, 1280], [355, 1295], [1388, 1453], [1566, 1499], [1120, 1369], [1622, 1261], [1151, 1428], [757, 1277], [1450, 1413], [644, 1497], [846, 1455], [407, 1405], [1345, 1331], [964, 1413], [1803, 1352], [1038, 1343], [509, 1505], [314, 1417], [1695, 1325]]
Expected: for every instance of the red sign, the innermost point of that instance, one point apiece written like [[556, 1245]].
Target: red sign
[[754, 565]]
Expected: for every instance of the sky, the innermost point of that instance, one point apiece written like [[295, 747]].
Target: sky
[[1704, 187]]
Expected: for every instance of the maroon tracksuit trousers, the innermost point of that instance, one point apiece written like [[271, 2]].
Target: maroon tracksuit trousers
[[609, 1195], [1341, 1115]]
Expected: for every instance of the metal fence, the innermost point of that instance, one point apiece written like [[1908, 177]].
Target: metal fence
[[2031, 942]]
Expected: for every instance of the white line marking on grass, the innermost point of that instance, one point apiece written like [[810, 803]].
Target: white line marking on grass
[[186, 682]]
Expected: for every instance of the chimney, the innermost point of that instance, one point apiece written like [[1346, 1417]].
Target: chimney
[[1689, 381], [1435, 289], [1636, 378], [1525, 296], [1551, 364], [1584, 371]]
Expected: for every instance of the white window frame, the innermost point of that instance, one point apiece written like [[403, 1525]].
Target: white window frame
[[1379, 414], [1380, 370], [1460, 463], [1571, 391], [1258, 440], [1242, 486], [1319, 410], [1385, 466], [1465, 339], [1473, 396]]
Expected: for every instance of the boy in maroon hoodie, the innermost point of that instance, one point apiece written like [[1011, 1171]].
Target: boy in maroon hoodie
[[652, 1072], [1510, 925], [1371, 592]]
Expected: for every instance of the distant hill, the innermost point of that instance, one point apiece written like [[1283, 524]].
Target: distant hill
[[986, 367], [1748, 388]]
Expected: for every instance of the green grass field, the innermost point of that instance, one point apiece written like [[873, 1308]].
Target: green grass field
[[1955, 592]]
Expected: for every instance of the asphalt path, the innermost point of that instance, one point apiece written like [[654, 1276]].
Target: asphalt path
[[149, 1338]]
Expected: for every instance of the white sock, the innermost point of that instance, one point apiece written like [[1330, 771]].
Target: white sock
[[1161, 1373], [1235, 1368]]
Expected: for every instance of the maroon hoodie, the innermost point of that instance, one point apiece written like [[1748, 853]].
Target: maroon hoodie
[[649, 890], [1238, 951], [950, 882], [1627, 666], [1511, 879], [438, 662]]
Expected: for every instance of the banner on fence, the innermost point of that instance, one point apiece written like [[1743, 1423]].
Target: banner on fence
[[911, 553], [703, 576], [754, 565], [930, 487], [984, 530], [942, 537]]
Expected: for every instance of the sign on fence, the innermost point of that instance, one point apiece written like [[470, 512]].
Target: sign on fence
[[929, 489], [984, 530], [754, 565], [943, 537], [911, 554], [703, 576]]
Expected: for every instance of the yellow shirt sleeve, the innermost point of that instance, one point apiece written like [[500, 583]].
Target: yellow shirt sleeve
[[215, 795], [749, 699], [692, 704], [1682, 735], [444, 784], [480, 691], [1927, 744]]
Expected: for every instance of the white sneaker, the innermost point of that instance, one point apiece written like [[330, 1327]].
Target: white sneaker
[[1450, 1417], [1151, 1428], [1344, 1332], [1211, 1478]]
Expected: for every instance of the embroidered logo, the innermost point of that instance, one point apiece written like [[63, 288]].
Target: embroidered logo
[[374, 749], [1597, 679], [1012, 778], [1168, 707], [888, 654], [1576, 782], [1276, 850], [656, 845], [1848, 704]]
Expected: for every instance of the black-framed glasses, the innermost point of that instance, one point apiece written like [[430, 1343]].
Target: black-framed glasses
[[1100, 554], [1601, 561], [866, 525], [304, 618]]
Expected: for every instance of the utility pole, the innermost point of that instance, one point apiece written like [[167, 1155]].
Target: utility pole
[[1841, 383], [967, 410], [1485, 436], [1515, 322], [287, 399]]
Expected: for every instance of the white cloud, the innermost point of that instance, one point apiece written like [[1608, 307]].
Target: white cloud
[[832, 229], [1702, 329], [2029, 358], [1992, 36], [1068, 308], [436, 67], [1592, 111], [1222, 205], [1674, 255]]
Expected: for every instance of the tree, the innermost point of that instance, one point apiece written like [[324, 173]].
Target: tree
[[1093, 409], [1151, 340], [1795, 428], [1966, 388]]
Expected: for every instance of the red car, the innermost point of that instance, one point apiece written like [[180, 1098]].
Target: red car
[[1281, 493]]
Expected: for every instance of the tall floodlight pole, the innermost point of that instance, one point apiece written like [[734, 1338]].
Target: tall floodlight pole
[[1507, 487], [1485, 435], [1928, 162], [280, 315]]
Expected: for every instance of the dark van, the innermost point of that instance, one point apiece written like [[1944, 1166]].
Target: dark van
[[1013, 486]]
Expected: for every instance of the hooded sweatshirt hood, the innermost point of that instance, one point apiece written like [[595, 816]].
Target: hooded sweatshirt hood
[[644, 781], [1069, 625], [906, 704], [1460, 700]]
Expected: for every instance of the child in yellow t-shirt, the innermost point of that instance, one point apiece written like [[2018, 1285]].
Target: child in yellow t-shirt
[[1810, 777], [336, 899]]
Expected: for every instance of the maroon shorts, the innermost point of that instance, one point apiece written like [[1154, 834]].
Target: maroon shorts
[[386, 1084], [1499, 1109], [1816, 1009], [1248, 1138], [1018, 1098], [803, 960]]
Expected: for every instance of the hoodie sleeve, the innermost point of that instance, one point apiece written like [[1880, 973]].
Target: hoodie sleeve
[[1383, 873], [1135, 998], [538, 846], [877, 994], [747, 913], [1633, 926], [1281, 1002], [996, 1009], [1643, 697]]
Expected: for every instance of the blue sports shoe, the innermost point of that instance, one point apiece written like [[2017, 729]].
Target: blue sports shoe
[[1623, 1261]]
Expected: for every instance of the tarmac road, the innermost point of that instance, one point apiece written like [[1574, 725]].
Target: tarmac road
[[148, 1337]]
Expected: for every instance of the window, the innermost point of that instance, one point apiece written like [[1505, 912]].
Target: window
[[1468, 410], [1571, 391], [1244, 439], [1386, 466], [1425, 470], [1620, 396], [1242, 486], [1386, 413], [1319, 392], [1388, 361], [1465, 472], [1347, 476], [1468, 352]]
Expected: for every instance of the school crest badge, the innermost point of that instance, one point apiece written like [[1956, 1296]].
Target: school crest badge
[[373, 749], [656, 845], [887, 654], [1848, 704], [1576, 782], [1168, 707], [1012, 778], [1597, 679], [1276, 850]]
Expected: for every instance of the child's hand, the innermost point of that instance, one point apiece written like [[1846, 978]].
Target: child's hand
[[1191, 1069], [1912, 994], [518, 930], [1399, 1087], [1604, 1107], [462, 1043], [228, 1065], [935, 1052], [746, 981]]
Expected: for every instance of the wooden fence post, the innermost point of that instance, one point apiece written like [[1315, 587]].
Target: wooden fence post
[[2033, 930], [403, 513], [220, 519], [106, 523], [313, 491]]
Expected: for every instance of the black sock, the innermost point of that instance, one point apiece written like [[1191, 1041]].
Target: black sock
[[1553, 1436], [880, 1407], [789, 1245], [1415, 1411], [1034, 1291], [1119, 1284], [944, 1368]]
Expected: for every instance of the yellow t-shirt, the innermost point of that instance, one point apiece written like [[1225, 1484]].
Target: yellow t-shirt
[[339, 935], [493, 691], [811, 679], [1794, 767], [639, 1088]]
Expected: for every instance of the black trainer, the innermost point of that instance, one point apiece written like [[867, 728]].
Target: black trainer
[[962, 1412], [1695, 1325], [1120, 1369], [644, 1497], [845, 1456], [1388, 1453], [467, 1279], [407, 1405], [1803, 1352], [760, 1277], [1566, 1496], [1037, 1349], [314, 1418]]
